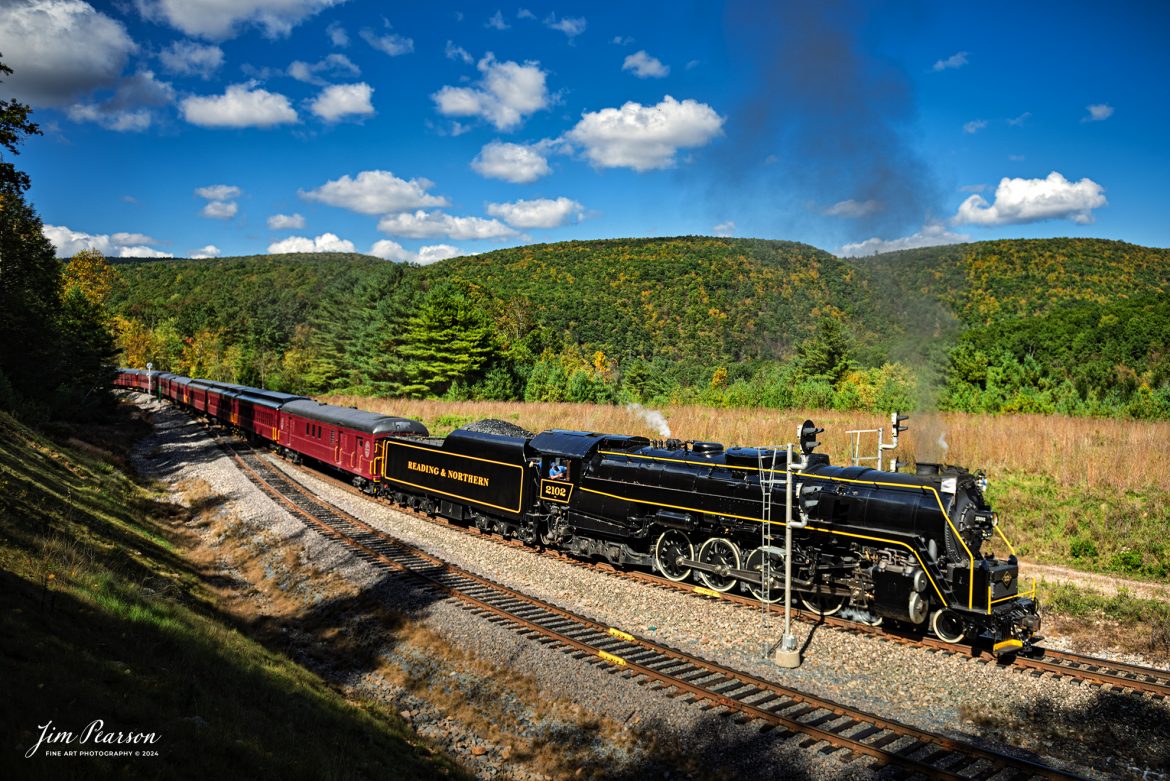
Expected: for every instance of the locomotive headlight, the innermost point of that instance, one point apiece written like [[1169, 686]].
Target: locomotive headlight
[[995, 519]]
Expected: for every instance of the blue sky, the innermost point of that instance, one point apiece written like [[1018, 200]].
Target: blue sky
[[421, 131]]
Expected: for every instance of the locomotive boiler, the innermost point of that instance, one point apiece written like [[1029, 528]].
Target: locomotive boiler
[[883, 545], [909, 548]]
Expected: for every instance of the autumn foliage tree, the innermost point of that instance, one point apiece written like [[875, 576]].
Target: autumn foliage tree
[[55, 348]]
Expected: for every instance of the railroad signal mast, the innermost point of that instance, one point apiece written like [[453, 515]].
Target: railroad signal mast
[[787, 655], [897, 420]]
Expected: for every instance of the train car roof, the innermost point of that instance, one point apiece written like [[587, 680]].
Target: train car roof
[[272, 399], [369, 422], [578, 444]]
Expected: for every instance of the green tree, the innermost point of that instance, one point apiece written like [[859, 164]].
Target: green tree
[[90, 272], [825, 356], [30, 281], [449, 337]]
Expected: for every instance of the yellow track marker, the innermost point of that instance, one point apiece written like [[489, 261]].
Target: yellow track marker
[[620, 635], [620, 662], [707, 592]]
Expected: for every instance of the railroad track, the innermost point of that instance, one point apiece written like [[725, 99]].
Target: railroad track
[[826, 725], [1119, 676]]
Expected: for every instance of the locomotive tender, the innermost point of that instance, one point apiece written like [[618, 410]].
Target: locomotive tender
[[909, 548]]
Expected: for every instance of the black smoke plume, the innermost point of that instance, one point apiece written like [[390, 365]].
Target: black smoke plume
[[826, 120]]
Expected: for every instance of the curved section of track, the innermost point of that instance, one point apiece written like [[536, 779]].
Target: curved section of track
[[836, 727], [1101, 672]]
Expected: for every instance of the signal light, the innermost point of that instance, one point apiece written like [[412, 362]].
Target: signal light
[[808, 437], [896, 420]]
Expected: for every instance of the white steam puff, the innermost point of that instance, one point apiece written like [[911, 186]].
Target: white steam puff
[[942, 442], [652, 417]]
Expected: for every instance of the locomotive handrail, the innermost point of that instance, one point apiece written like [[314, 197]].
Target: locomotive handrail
[[1011, 550]]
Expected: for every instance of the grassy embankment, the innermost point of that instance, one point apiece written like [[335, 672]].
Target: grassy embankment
[[1087, 493], [102, 617]]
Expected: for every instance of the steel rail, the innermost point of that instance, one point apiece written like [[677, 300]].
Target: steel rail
[[1125, 677], [884, 740]]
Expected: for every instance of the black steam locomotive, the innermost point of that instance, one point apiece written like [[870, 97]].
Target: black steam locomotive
[[884, 545]]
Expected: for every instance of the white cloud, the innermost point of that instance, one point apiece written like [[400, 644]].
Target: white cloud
[[326, 242], [507, 93], [973, 188], [1021, 119], [424, 225], [974, 126], [1033, 200], [208, 251], [538, 213], [337, 35], [69, 242], [280, 222], [517, 163], [188, 58], [391, 250], [852, 208], [570, 27], [332, 66], [524, 13], [60, 50], [219, 192], [957, 60], [126, 109], [343, 100], [220, 19], [375, 192], [931, 235], [725, 228], [497, 22], [220, 205], [143, 252], [127, 239], [242, 105], [436, 252], [622, 40], [119, 121], [1098, 112], [454, 52], [645, 67], [220, 210], [645, 137], [392, 44]]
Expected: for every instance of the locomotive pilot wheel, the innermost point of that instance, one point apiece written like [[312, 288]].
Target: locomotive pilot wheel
[[722, 553], [672, 547], [947, 626]]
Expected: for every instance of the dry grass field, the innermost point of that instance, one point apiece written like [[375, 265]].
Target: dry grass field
[[1092, 495], [1125, 455]]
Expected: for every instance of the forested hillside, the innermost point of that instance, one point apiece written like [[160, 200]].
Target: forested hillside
[[1071, 325]]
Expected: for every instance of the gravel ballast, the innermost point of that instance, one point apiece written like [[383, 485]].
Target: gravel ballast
[[940, 692]]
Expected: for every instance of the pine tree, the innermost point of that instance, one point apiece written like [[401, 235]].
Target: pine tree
[[449, 337]]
